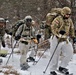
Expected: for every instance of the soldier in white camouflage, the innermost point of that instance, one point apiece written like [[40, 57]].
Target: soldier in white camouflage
[[2, 31], [25, 34], [62, 23]]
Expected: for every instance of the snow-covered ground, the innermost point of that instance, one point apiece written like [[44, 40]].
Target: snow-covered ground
[[34, 69], [39, 67]]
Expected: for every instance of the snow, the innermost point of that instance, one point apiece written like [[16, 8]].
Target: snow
[[35, 69], [38, 68]]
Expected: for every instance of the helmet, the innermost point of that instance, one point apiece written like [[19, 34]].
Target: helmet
[[2, 20], [28, 18], [65, 10]]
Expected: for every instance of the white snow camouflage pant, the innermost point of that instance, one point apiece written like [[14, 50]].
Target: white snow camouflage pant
[[67, 53], [24, 50]]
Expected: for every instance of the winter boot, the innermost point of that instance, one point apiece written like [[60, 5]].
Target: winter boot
[[53, 73], [63, 70], [3, 43], [24, 66], [30, 59]]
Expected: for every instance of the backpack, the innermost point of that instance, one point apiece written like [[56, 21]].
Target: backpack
[[16, 26], [2, 26], [49, 19], [52, 15]]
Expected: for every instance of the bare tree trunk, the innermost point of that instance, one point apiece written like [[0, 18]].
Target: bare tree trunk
[[45, 8]]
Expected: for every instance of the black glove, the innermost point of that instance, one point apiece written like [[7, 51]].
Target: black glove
[[6, 31], [38, 37], [10, 33], [25, 42], [74, 40], [3, 43], [62, 32], [17, 37]]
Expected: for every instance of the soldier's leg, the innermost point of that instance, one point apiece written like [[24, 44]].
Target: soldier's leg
[[33, 52], [23, 50], [1, 60], [67, 52], [55, 58]]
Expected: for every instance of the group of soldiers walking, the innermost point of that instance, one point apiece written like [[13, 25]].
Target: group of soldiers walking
[[61, 30]]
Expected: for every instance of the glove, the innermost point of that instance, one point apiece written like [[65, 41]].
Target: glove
[[10, 33], [3, 43], [62, 32], [74, 40], [6, 31], [25, 42], [39, 36], [17, 37], [35, 41]]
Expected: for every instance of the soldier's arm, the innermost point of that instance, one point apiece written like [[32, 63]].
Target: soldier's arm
[[72, 33], [55, 26]]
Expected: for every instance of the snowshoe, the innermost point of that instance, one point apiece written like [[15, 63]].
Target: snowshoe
[[30, 59], [53, 73], [24, 66], [64, 70]]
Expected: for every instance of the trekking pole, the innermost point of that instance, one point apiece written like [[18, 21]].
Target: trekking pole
[[62, 33], [40, 57], [36, 52], [11, 53], [51, 58], [12, 46]]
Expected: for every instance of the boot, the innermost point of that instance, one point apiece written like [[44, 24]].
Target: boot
[[63, 70], [30, 59], [53, 73], [24, 66]]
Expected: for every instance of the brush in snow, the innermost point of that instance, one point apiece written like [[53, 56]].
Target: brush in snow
[[8, 70]]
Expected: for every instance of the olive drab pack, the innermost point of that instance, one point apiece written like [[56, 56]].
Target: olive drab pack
[[2, 26], [49, 19], [19, 23], [16, 26], [52, 15]]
